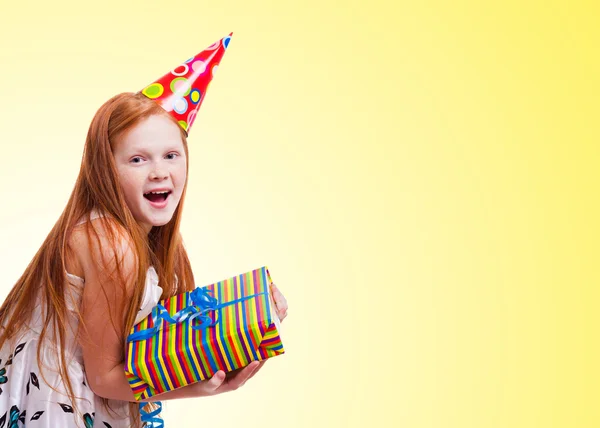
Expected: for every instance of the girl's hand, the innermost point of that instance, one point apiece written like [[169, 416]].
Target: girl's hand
[[280, 302], [225, 382]]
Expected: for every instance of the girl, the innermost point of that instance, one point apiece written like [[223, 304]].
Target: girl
[[114, 252]]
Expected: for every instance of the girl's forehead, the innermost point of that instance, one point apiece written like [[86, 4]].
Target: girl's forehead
[[155, 131]]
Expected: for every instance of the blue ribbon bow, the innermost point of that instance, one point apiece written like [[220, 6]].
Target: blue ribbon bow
[[199, 303]]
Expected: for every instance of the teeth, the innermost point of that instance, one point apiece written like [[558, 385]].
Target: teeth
[[159, 193]]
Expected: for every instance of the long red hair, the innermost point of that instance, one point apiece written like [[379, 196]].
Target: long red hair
[[97, 188]]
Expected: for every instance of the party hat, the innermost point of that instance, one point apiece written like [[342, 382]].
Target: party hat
[[181, 91]]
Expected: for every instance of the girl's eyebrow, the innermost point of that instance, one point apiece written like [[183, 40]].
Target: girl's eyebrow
[[145, 150]]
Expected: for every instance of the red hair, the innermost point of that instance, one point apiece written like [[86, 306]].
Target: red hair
[[98, 188]]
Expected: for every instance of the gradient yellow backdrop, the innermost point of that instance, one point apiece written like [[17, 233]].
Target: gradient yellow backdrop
[[421, 178]]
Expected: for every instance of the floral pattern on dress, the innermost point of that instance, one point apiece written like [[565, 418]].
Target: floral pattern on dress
[[16, 417]]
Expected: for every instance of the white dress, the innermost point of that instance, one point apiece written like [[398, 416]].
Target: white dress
[[26, 399]]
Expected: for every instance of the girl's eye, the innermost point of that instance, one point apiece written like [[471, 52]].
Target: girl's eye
[[137, 158], [173, 154]]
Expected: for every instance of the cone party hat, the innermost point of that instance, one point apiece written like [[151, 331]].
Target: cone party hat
[[181, 91]]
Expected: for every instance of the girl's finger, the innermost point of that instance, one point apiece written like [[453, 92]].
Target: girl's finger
[[260, 364], [282, 305], [275, 290], [240, 378], [278, 297], [216, 381]]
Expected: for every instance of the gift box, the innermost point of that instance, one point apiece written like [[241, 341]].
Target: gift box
[[189, 337]]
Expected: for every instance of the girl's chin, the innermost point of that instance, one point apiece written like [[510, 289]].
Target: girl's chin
[[149, 220]]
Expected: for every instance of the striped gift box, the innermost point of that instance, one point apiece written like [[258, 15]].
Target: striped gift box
[[179, 354]]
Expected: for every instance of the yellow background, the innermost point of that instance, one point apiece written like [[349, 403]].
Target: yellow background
[[421, 179]]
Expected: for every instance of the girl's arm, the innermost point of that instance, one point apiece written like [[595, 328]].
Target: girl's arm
[[103, 306], [217, 384]]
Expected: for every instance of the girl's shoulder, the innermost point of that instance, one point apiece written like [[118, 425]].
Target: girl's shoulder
[[81, 251], [104, 225]]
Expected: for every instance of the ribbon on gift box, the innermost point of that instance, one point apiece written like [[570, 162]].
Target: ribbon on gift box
[[200, 303], [151, 419]]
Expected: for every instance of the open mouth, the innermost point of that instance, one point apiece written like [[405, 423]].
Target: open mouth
[[157, 197]]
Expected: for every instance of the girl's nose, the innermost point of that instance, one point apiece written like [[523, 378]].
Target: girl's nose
[[158, 174]]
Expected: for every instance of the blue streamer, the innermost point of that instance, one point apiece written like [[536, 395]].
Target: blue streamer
[[151, 419]]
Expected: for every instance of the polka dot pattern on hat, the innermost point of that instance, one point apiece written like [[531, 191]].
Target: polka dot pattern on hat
[[182, 91]]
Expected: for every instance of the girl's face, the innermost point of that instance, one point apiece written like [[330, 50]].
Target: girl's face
[[151, 164]]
